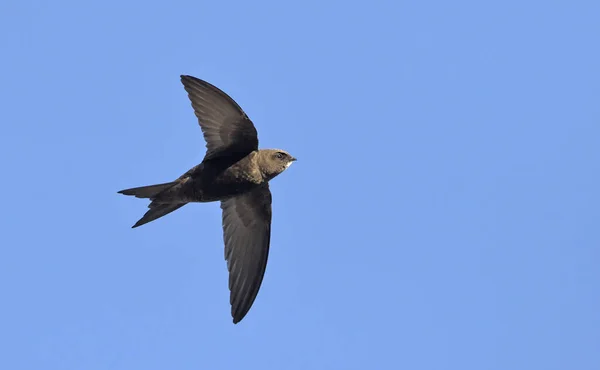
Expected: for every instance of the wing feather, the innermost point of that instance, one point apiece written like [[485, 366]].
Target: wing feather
[[247, 235], [226, 127]]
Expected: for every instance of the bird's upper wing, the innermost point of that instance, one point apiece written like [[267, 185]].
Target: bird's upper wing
[[247, 234], [227, 129]]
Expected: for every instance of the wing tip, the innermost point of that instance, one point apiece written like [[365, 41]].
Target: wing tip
[[236, 318], [187, 79]]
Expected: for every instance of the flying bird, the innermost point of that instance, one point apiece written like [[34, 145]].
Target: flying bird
[[237, 174]]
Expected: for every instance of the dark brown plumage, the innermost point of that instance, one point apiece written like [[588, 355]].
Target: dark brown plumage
[[236, 173]]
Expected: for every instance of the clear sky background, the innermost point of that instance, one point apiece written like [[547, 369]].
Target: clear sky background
[[443, 213]]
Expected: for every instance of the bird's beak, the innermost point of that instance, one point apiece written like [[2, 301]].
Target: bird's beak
[[294, 159]]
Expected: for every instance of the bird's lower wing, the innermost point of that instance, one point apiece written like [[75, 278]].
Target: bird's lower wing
[[247, 235]]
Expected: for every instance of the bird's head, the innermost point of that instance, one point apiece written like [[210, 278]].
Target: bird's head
[[272, 162]]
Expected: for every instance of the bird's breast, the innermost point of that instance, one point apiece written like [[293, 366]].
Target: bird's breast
[[233, 181]]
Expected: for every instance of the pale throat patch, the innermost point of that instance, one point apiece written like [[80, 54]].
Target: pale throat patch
[[288, 165]]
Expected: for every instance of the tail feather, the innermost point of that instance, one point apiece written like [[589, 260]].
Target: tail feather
[[149, 191], [157, 210]]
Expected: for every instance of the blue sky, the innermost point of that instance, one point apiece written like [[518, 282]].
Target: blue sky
[[443, 213]]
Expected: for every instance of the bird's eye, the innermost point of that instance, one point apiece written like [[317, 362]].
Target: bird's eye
[[279, 155]]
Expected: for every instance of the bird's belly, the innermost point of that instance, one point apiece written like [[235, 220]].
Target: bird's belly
[[221, 190], [214, 184]]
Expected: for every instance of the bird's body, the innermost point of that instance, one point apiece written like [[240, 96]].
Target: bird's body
[[215, 180], [234, 172]]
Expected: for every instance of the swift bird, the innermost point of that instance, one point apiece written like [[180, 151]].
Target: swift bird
[[236, 173]]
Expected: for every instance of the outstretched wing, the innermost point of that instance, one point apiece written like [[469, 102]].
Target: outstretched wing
[[227, 129], [247, 234]]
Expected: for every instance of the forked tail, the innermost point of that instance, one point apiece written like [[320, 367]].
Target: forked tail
[[157, 209]]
